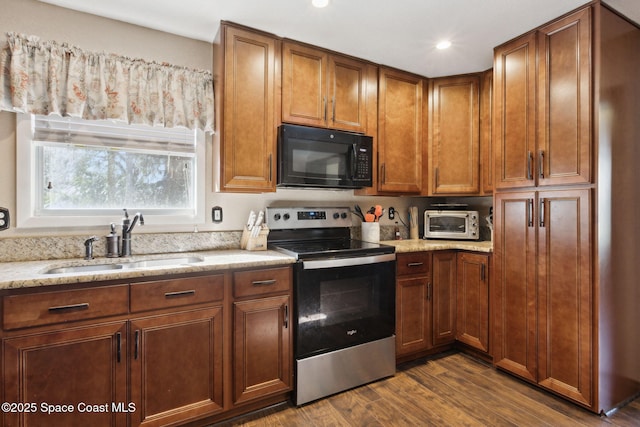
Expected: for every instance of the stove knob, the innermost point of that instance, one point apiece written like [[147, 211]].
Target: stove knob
[[277, 217], [336, 215], [343, 215], [286, 216]]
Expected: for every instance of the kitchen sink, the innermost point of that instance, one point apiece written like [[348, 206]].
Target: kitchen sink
[[84, 268], [161, 262], [131, 265]]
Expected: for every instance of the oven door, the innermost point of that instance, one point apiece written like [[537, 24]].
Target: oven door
[[343, 302]]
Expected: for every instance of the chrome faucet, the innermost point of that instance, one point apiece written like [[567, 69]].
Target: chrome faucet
[[127, 228], [88, 247]]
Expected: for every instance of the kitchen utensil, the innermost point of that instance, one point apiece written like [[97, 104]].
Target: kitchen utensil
[[251, 221], [369, 217], [258, 225], [377, 212], [358, 212]]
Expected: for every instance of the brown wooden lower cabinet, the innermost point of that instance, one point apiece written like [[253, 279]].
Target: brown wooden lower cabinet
[[69, 376], [472, 320], [413, 303], [444, 297], [262, 334], [150, 353], [425, 302], [262, 351], [176, 366]]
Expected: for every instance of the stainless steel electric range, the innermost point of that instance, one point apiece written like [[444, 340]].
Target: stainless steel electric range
[[344, 300]]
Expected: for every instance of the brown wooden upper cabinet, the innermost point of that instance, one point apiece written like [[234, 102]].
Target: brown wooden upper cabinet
[[247, 81], [401, 138], [542, 112], [323, 89], [454, 139]]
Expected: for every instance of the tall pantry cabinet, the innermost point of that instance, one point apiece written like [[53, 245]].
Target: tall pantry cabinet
[[565, 294]]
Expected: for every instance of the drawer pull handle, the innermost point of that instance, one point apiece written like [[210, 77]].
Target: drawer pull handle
[[68, 308], [263, 282], [415, 264], [180, 294]]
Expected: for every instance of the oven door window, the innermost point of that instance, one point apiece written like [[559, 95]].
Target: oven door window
[[448, 224], [345, 306]]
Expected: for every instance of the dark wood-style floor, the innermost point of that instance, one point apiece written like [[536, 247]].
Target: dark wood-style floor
[[453, 390]]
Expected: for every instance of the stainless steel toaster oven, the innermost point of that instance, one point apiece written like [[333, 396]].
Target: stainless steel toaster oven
[[447, 224]]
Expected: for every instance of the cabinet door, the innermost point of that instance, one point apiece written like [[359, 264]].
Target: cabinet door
[[455, 135], [176, 366], [76, 367], [347, 93], [262, 357], [473, 300], [400, 132], [515, 284], [565, 297], [304, 85], [444, 297], [564, 105], [413, 314], [515, 108], [251, 110]]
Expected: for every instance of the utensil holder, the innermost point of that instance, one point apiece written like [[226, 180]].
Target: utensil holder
[[250, 242], [371, 232]]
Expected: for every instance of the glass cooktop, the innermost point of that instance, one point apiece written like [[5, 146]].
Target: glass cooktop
[[331, 248]]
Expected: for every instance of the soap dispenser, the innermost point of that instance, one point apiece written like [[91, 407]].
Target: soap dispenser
[[113, 243]]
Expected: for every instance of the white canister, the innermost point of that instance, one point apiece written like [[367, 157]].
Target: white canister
[[371, 232]]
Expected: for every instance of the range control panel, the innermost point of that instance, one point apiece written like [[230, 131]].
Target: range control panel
[[295, 218]]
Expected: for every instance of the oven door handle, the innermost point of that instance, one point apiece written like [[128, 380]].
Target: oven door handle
[[347, 262]]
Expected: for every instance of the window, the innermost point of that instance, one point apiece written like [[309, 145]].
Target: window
[[75, 172]]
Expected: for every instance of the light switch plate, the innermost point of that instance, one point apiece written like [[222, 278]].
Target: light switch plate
[[216, 214], [5, 220]]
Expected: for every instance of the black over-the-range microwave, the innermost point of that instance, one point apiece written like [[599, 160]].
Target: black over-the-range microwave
[[315, 157]]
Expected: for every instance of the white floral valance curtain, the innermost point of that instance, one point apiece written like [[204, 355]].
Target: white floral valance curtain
[[45, 77]]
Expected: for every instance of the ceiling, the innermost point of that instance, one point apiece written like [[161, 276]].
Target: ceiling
[[400, 34]]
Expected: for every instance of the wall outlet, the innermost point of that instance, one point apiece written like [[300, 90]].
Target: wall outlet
[[216, 214], [392, 213], [4, 219]]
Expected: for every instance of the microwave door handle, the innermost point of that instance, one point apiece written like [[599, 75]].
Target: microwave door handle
[[353, 156]]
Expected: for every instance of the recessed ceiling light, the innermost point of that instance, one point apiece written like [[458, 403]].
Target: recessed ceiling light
[[320, 3], [444, 44]]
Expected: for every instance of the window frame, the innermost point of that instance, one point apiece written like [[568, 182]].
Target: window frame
[[26, 192]]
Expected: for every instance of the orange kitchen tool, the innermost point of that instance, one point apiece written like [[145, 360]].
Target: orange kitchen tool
[[369, 217], [378, 212]]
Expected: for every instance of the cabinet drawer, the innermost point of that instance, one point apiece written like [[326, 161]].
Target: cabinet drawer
[[21, 311], [176, 292], [413, 263], [260, 282]]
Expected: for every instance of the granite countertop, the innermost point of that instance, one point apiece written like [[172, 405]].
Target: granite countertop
[[28, 274], [439, 245]]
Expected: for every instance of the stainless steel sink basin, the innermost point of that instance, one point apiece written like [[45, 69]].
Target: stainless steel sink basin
[[161, 262], [84, 268], [156, 262]]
